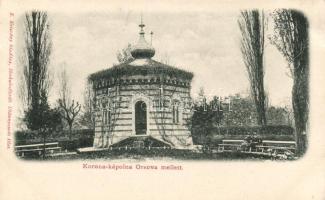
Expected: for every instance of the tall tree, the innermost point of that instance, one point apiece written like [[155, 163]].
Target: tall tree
[[37, 50], [36, 77], [252, 27], [69, 107], [291, 39]]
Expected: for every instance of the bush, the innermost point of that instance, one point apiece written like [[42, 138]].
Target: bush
[[76, 143], [21, 136], [81, 138], [215, 135]]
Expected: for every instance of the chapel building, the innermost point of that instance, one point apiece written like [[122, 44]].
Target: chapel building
[[142, 102]]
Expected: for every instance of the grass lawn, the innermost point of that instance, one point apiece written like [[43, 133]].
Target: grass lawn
[[147, 155]]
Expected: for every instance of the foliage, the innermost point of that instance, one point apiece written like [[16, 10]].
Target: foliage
[[278, 116], [238, 111], [215, 135], [41, 117], [80, 138], [292, 40], [124, 55], [152, 67], [252, 27], [242, 112], [24, 137], [36, 77], [75, 144], [248, 130], [160, 154], [206, 115]]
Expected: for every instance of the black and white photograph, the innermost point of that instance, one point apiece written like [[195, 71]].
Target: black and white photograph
[[162, 100], [159, 85]]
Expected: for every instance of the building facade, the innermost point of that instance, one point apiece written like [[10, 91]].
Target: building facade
[[142, 98]]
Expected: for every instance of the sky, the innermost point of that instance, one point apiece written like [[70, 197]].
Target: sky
[[207, 44]]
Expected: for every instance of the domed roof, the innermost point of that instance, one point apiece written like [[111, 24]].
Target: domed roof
[[141, 67], [142, 64], [142, 49]]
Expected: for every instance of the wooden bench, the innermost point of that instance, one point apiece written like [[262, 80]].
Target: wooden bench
[[279, 143], [267, 146], [262, 148], [230, 145], [280, 146], [52, 147], [232, 141]]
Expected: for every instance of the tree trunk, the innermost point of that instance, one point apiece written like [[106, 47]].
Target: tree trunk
[[292, 39], [300, 95], [44, 142], [70, 131], [300, 109]]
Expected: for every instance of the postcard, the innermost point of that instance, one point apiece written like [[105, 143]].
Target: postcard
[[162, 100]]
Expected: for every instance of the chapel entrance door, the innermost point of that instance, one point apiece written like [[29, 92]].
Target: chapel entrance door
[[140, 118]]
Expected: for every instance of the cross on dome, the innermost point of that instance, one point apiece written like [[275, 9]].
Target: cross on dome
[[142, 49], [141, 26]]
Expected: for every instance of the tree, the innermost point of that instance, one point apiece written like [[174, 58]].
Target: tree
[[125, 54], [87, 119], [252, 27], [44, 119], [277, 116], [216, 109], [291, 39], [206, 115], [36, 77], [69, 108], [289, 115], [243, 112]]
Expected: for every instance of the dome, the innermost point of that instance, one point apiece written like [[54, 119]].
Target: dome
[[142, 49], [141, 65]]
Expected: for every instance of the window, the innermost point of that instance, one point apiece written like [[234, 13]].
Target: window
[[106, 117], [175, 112]]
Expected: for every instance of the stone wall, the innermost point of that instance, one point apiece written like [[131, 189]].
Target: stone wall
[[119, 101]]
